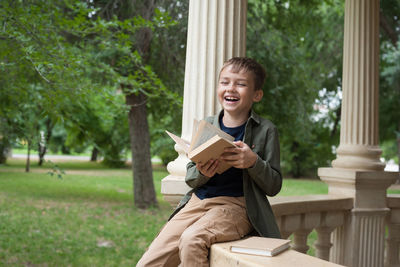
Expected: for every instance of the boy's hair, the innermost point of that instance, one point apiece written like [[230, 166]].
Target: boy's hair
[[246, 64]]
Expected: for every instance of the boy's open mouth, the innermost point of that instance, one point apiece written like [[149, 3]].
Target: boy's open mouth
[[231, 98]]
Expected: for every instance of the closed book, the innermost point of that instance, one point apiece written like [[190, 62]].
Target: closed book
[[261, 246]]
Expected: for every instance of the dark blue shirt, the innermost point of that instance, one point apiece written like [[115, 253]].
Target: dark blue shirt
[[230, 182]]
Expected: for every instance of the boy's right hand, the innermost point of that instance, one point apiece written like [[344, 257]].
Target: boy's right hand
[[208, 169]]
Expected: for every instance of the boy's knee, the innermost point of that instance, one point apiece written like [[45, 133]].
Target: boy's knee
[[193, 248], [192, 240]]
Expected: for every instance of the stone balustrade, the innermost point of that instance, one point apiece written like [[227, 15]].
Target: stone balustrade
[[297, 215], [393, 231], [300, 215]]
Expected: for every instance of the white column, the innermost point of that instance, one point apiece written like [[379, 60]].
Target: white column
[[216, 32], [357, 170], [359, 136]]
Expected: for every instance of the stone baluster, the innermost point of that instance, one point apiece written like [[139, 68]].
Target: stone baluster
[[216, 32], [309, 221], [393, 239], [288, 224], [300, 240], [323, 244], [329, 221]]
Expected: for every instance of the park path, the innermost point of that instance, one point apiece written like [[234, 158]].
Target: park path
[[99, 172], [53, 157]]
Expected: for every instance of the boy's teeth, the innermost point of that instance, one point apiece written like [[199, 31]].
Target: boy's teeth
[[231, 98]]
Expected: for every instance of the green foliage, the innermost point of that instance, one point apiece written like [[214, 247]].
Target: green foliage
[[390, 150], [389, 93], [71, 62], [55, 170], [301, 58], [163, 146]]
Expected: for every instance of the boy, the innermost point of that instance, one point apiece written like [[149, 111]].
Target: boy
[[225, 207]]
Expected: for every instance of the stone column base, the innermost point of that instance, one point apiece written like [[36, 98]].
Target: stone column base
[[173, 189], [360, 241]]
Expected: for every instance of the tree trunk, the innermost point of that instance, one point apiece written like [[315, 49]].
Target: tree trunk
[[95, 154], [4, 149], [144, 192], [28, 158], [398, 147], [389, 30], [337, 120], [143, 185], [398, 152], [43, 147]]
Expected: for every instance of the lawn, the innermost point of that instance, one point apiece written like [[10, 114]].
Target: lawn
[[87, 218]]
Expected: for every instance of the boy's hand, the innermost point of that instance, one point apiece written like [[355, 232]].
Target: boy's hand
[[209, 168], [241, 157]]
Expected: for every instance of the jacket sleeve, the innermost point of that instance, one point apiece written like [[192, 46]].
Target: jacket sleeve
[[193, 177], [266, 172]]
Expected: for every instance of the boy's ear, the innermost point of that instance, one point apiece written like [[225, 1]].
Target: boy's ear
[[258, 95]]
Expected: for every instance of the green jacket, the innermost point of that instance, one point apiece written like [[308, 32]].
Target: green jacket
[[264, 178]]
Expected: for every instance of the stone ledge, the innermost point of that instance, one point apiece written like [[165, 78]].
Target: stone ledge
[[393, 200], [220, 256], [310, 203]]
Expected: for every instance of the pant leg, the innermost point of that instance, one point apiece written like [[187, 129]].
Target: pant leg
[[225, 220], [164, 251]]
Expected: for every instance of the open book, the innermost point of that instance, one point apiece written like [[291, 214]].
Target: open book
[[262, 246], [208, 142]]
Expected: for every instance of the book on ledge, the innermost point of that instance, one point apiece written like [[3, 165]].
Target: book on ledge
[[208, 142], [261, 246]]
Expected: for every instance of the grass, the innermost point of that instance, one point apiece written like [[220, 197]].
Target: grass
[[84, 219], [87, 218]]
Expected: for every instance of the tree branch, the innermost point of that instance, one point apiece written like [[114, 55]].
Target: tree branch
[[391, 33]]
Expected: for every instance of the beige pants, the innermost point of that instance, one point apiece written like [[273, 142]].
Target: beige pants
[[187, 237]]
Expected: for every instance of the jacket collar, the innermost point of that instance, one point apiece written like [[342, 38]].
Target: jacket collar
[[253, 116]]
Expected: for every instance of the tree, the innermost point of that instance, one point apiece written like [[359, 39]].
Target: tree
[[74, 48], [129, 61], [44, 70]]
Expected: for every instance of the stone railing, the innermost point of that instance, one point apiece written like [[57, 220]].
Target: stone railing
[[297, 215], [393, 231], [300, 215]]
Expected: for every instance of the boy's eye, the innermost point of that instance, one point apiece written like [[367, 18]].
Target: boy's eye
[[224, 82], [241, 84]]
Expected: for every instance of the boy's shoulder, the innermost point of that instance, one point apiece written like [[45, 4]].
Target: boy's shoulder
[[210, 119], [263, 122]]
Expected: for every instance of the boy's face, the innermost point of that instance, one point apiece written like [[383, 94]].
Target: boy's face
[[236, 92]]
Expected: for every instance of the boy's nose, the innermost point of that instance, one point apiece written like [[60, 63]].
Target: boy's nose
[[230, 87]]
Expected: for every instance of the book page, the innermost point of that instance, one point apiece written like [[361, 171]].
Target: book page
[[181, 142], [205, 132], [195, 128], [218, 131]]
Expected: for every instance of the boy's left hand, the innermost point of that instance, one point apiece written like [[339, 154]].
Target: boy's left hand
[[241, 157]]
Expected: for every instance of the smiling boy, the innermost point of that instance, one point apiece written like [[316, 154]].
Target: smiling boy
[[227, 206]]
